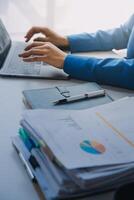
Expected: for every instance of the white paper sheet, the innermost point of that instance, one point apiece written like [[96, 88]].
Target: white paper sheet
[[110, 126]]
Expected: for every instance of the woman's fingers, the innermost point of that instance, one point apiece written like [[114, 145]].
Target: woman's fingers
[[35, 59], [31, 32], [38, 48], [47, 53], [34, 44], [34, 30], [41, 39], [32, 52]]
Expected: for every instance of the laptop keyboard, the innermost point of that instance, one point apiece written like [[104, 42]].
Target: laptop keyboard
[[17, 65]]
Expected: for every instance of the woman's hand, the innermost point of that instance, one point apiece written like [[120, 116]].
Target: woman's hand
[[44, 51], [49, 36]]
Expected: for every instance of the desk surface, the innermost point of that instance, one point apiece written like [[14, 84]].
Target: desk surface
[[14, 181]]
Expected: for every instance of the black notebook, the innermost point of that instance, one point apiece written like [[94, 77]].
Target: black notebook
[[45, 98]]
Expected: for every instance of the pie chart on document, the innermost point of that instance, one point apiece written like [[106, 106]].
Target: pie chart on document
[[92, 147]]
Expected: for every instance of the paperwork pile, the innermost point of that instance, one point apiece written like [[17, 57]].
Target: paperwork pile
[[79, 153]]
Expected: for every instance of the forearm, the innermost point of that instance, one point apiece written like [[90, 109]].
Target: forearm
[[115, 72], [99, 41], [102, 40]]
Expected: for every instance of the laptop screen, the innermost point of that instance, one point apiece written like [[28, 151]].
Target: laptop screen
[[5, 43]]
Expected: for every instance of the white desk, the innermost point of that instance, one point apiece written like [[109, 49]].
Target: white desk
[[14, 181]]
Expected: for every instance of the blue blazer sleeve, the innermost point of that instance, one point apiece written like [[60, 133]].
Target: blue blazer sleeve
[[110, 71], [102, 40]]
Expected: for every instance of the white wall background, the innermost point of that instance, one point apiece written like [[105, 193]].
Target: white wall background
[[91, 15], [65, 16]]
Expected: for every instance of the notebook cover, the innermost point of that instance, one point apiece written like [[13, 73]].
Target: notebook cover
[[44, 98]]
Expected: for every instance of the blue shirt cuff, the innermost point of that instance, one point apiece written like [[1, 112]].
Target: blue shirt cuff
[[80, 42], [76, 67]]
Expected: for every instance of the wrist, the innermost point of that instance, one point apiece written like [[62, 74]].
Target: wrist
[[64, 41], [63, 60]]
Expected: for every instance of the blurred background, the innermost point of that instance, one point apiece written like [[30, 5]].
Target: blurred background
[[64, 16]]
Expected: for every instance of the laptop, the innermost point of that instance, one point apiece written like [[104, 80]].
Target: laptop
[[13, 66]]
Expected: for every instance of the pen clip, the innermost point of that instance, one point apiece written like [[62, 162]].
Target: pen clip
[[63, 91]]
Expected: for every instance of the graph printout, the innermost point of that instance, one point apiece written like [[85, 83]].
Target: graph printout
[[103, 135]]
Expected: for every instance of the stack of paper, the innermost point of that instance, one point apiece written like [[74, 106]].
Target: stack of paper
[[78, 153]]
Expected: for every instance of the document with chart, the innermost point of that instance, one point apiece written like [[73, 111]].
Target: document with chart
[[101, 136], [78, 153]]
